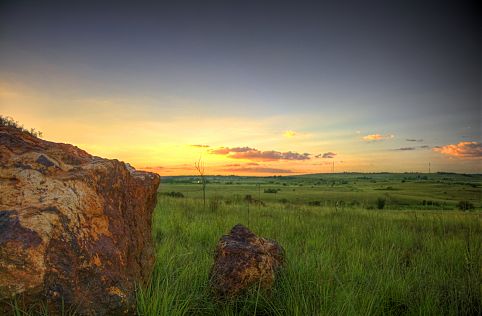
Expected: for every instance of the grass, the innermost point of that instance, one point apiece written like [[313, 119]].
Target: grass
[[411, 191], [418, 255], [350, 261]]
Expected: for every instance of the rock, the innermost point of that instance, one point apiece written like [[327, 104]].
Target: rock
[[243, 260], [75, 229]]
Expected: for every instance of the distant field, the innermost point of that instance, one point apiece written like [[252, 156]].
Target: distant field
[[417, 254], [340, 261], [410, 191]]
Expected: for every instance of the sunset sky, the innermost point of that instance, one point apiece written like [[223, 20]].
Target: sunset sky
[[253, 88]]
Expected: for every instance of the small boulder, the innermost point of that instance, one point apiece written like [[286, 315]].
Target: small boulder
[[243, 260], [75, 229]]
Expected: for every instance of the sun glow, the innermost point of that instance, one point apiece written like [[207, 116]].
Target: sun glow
[[133, 130]]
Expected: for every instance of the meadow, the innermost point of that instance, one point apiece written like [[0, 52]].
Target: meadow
[[347, 253], [355, 244]]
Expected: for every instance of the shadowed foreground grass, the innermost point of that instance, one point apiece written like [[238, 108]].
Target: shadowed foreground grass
[[338, 262]]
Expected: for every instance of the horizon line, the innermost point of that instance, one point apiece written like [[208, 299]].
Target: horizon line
[[323, 173]]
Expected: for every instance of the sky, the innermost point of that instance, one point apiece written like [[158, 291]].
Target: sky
[[250, 87]]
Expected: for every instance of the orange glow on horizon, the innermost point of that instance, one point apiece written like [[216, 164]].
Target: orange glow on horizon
[[132, 131]]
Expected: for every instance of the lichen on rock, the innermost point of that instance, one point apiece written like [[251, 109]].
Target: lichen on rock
[[75, 229]]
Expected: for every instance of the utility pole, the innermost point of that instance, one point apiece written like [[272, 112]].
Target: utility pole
[[429, 167], [333, 168]]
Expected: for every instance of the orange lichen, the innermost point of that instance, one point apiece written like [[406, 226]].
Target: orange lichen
[[96, 260], [113, 290], [65, 223]]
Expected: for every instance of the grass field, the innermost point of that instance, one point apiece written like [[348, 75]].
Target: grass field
[[410, 191], [347, 253], [345, 256]]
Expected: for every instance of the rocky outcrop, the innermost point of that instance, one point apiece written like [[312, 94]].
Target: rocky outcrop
[[75, 229], [243, 260]]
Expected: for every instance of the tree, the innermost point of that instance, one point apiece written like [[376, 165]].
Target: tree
[[380, 203], [199, 165]]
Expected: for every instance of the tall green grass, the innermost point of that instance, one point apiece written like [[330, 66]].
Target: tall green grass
[[349, 262]]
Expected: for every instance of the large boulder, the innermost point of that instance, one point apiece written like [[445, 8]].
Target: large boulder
[[75, 229], [243, 260]]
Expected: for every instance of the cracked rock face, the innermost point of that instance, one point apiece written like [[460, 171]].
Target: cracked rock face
[[243, 260], [74, 228]]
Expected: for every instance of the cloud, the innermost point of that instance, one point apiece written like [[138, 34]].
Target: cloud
[[289, 134], [151, 168], [166, 168], [461, 150], [329, 155], [406, 148], [414, 140], [239, 165], [258, 170], [325, 163], [220, 151], [227, 150], [258, 155], [241, 149], [200, 146], [270, 155], [412, 148], [244, 165], [377, 137]]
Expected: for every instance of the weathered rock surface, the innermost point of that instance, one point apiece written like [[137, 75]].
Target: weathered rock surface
[[73, 227], [242, 260]]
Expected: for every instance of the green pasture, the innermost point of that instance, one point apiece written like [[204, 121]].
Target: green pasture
[[338, 261], [418, 254], [400, 191]]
